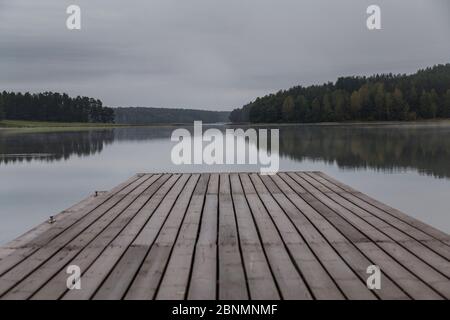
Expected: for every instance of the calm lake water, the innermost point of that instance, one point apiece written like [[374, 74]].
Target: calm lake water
[[42, 173]]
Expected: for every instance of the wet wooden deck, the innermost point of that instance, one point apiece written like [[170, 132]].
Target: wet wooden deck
[[296, 235]]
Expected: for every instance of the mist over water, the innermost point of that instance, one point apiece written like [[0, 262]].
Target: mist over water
[[42, 173]]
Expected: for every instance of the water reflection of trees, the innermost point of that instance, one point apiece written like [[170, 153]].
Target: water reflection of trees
[[387, 148], [25, 146], [52, 146]]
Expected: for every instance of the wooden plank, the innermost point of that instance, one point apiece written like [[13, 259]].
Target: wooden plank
[[433, 278], [291, 284], [438, 234], [319, 274], [413, 232], [353, 234], [96, 274], [429, 256], [74, 254], [203, 281], [117, 236], [402, 277], [119, 279], [5, 251], [232, 278], [93, 239], [346, 249], [147, 280], [174, 284], [77, 236], [30, 242], [74, 212], [344, 277], [22, 242], [260, 280]]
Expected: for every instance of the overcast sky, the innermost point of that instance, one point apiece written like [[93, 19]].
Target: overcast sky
[[211, 54]]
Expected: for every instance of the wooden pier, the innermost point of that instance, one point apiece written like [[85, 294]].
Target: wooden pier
[[294, 235]]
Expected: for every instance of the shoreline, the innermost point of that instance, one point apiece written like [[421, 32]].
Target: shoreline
[[349, 123], [21, 124]]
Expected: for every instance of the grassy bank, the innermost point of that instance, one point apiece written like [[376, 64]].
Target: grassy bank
[[45, 124], [21, 124]]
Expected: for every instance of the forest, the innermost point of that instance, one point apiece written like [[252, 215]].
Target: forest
[[422, 95], [140, 115], [50, 106]]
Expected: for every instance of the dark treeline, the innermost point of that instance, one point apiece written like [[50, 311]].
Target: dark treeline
[[140, 115], [49, 106], [423, 95]]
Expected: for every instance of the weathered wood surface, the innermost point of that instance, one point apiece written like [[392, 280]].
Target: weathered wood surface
[[294, 235]]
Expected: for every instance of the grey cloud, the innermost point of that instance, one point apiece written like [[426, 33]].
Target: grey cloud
[[214, 54]]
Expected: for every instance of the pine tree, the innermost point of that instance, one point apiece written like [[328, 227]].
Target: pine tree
[[414, 99], [302, 112], [288, 109], [434, 100], [316, 110], [2, 108], [327, 110], [424, 108], [339, 102], [364, 94], [447, 104], [388, 105], [355, 104], [380, 101], [401, 108]]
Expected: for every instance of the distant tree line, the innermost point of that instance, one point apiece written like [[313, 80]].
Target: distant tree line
[[2, 108], [50, 106], [423, 95], [141, 115]]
